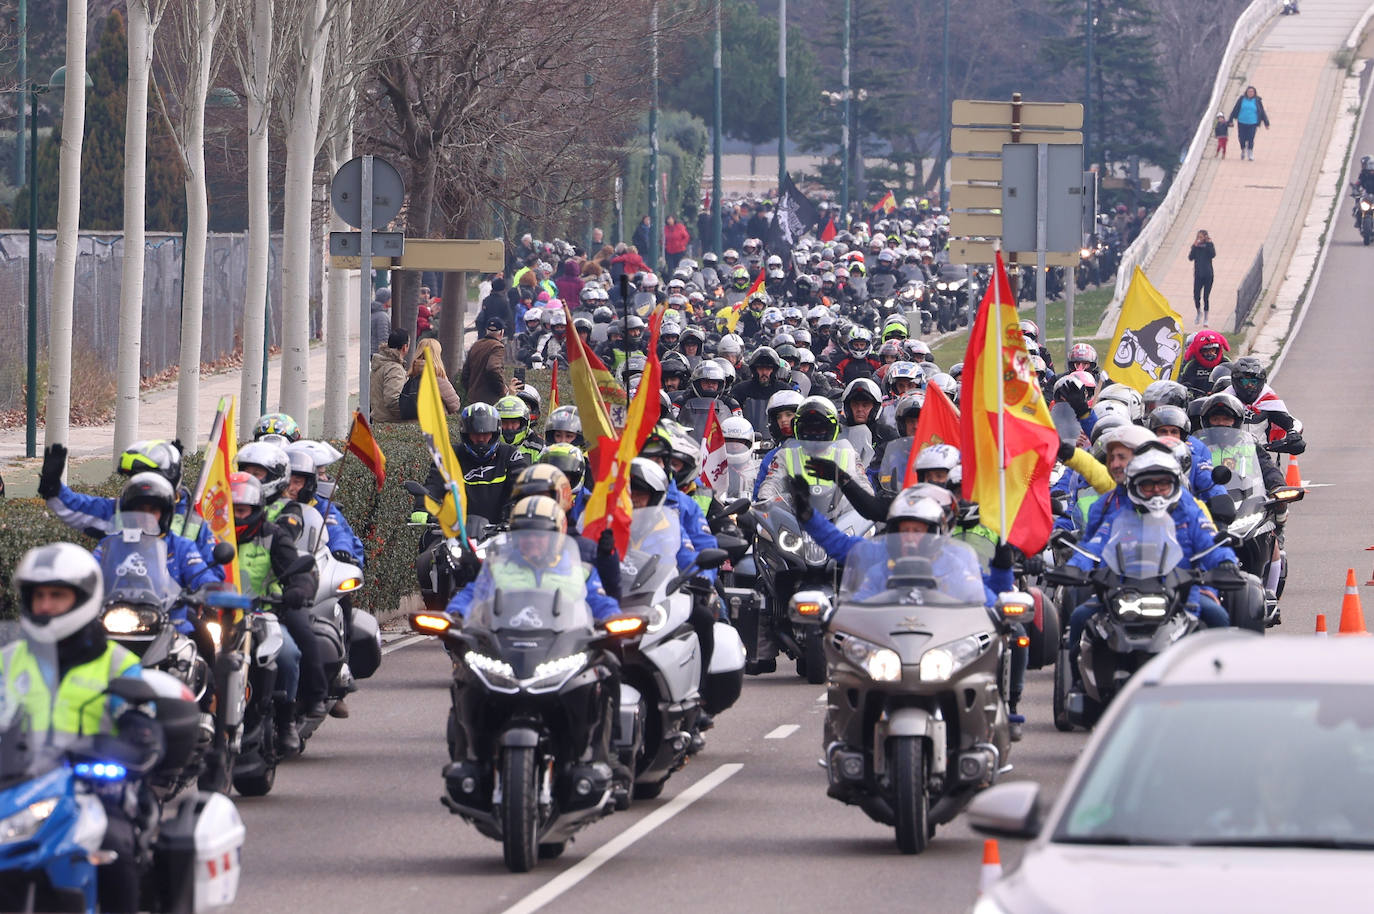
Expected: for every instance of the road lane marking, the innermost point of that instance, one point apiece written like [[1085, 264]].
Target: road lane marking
[[594, 861], [821, 697], [782, 732], [404, 642]]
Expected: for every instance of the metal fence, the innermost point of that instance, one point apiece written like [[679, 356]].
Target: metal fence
[[99, 266], [1248, 292]]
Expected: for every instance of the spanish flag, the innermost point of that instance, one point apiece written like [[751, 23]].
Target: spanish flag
[[216, 504], [590, 379], [609, 504], [1009, 439], [451, 512], [887, 204], [732, 318], [364, 446]]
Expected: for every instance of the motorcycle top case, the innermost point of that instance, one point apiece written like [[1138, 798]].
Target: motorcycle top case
[[219, 849], [365, 647]]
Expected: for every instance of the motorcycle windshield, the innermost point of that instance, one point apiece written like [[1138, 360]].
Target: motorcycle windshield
[[133, 565], [695, 413], [892, 471], [655, 540], [1236, 450], [914, 568], [532, 580], [1142, 546]]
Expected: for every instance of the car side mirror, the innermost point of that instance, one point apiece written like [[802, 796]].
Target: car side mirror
[[1221, 475], [223, 553], [1009, 810]]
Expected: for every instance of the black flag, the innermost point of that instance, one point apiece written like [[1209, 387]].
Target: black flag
[[793, 217]]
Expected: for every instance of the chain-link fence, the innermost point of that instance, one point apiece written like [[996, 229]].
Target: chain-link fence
[[99, 266]]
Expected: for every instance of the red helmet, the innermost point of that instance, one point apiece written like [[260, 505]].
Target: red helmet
[[1214, 345]]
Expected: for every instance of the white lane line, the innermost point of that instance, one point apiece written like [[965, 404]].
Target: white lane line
[[404, 642], [603, 854], [821, 697], [782, 732]]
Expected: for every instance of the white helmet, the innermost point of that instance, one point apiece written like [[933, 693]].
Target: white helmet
[[909, 505], [58, 565], [730, 344], [271, 458], [937, 457], [1153, 464], [1135, 403]]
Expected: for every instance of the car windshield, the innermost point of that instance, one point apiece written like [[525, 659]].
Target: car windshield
[[1232, 765], [915, 568], [532, 580], [1142, 546], [1235, 449], [133, 565]]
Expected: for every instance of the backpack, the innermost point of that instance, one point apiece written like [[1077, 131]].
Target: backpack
[[407, 402]]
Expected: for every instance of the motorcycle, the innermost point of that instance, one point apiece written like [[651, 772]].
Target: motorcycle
[[916, 721], [254, 768], [664, 668], [529, 701], [51, 790], [1143, 588], [1365, 207], [1254, 531]]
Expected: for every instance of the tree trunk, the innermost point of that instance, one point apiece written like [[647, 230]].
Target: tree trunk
[[255, 81], [128, 369], [405, 285], [451, 320], [296, 249], [59, 404], [197, 224]]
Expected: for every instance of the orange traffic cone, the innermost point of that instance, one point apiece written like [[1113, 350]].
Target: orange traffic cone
[[1352, 616], [992, 865], [1321, 625], [1293, 477]]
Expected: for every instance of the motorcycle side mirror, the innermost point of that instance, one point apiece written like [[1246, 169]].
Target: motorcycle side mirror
[[223, 553], [1221, 475], [1009, 810], [414, 488], [1014, 606], [737, 506], [134, 691], [734, 546], [1285, 494], [1066, 576], [708, 559], [432, 623], [810, 606]]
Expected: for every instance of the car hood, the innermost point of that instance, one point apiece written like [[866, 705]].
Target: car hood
[[1067, 879]]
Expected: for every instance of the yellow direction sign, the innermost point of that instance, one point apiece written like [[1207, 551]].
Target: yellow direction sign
[[1063, 115], [964, 169], [988, 225], [982, 252], [975, 196], [992, 139]]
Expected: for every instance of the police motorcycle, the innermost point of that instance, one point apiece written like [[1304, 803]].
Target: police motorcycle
[[664, 681], [788, 560], [916, 721], [1254, 532], [53, 790], [1143, 588], [530, 668]]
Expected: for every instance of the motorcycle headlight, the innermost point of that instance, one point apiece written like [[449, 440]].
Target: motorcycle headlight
[[880, 663], [1365, 205], [815, 553], [551, 674], [940, 663], [25, 823], [1133, 606], [1085, 253], [121, 619], [941, 286], [214, 628], [497, 673], [789, 541], [658, 618]]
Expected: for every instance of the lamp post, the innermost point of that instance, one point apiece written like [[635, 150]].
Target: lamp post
[[844, 129]]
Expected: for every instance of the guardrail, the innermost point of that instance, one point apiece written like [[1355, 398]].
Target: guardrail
[[1248, 25], [1248, 293]]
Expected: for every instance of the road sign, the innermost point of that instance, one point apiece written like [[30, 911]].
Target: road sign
[[1063, 115], [975, 196], [441, 255], [349, 244], [1060, 210], [991, 139], [982, 252], [966, 169], [346, 191], [988, 225]]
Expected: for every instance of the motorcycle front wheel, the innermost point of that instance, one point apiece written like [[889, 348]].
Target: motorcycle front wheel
[[911, 805], [519, 810]]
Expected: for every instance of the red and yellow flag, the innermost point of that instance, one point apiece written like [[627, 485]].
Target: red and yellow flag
[[1009, 439], [451, 511], [216, 504], [938, 423], [591, 382], [887, 204], [732, 318], [553, 381], [364, 446], [609, 504]]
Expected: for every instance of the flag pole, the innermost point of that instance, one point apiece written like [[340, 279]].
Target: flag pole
[[1001, 396]]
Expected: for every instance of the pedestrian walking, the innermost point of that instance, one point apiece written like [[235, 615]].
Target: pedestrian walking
[[1247, 115], [1202, 253], [1223, 130], [675, 241]]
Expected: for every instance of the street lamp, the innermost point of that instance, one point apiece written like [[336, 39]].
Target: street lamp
[[58, 81], [845, 96]]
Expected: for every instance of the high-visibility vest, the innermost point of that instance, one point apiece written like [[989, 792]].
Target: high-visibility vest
[[78, 707]]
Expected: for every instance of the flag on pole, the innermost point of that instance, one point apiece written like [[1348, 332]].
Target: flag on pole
[[887, 204], [1009, 439], [714, 463], [592, 381], [1147, 345], [215, 502], [732, 318], [451, 512], [938, 423], [553, 381], [231, 435], [609, 505], [364, 446], [794, 215], [828, 233]]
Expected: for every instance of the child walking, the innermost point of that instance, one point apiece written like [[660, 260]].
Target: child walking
[[1222, 130]]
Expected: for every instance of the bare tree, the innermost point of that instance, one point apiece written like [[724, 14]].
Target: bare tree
[[1192, 40]]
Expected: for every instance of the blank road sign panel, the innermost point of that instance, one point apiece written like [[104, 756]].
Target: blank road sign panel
[[992, 139], [1065, 115], [1063, 203], [975, 224], [982, 252], [975, 196], [966, 169]]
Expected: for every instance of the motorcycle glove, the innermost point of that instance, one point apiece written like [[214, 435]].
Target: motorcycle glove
[[823, 468], [296, 596], [1065, 451], [1003, 556], [50, 477], [801, 498], [605, 543]]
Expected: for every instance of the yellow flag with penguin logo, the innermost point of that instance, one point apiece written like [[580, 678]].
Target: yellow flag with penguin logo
[[1147, 345]]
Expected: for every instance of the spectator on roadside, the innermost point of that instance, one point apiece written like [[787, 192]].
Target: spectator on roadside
[[389, 376], [757, 226], [1202, 253], [569, 284], [591, 269], [675, 241], [1223, 133], [496, 304], [381, 317], [1247, 115], [598, 238], [642, 237], [483, 373], [429, 349]]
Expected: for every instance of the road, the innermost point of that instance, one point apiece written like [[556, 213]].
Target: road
[[356, 823]]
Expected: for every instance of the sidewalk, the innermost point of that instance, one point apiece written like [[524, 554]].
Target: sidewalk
[[1245, 205], [92, 445]]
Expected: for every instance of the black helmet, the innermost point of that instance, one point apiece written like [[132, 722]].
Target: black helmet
[[1220, 378], [149, 491], [479, 418], [1167, 415], [1248, 377], [816, 420], [1222, 403]]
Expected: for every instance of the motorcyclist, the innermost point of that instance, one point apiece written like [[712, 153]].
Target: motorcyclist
[[489, 466], [782, 410], [860, 404], [674, 372], [769, 377], [1077, 389], [1173, 420], [818, 422], [60, 595], [1225, 411], [277, 424], [1207, 350], [549, 481], [1030, 331], [565, 427], [514, 417], [1249, 385], [859, 363], [741, 465], [705, 395], [1083, 357], [658, 448], [266, 553], [1363, 184]]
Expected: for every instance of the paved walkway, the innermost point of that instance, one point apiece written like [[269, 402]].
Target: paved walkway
[[1248, 204]]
